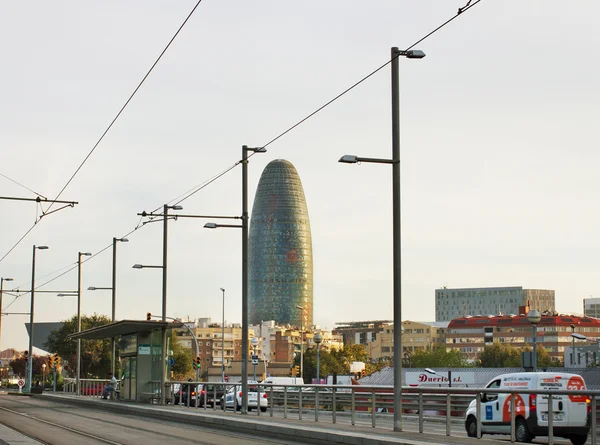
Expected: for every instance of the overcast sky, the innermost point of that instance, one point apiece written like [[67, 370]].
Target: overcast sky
[[499, 141]]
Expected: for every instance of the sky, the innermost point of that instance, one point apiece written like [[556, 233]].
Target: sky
[[498, 149]]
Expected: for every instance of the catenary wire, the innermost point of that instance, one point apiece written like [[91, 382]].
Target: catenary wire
[[113, 121], [196, 189], [21, 185], [347, 90]]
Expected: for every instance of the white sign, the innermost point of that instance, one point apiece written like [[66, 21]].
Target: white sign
[[144, 350], [417, 378], [21, 383]]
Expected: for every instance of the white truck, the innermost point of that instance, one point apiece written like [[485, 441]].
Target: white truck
[[571, 414]]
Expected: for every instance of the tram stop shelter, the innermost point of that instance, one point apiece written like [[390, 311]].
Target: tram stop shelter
[[139, 345]]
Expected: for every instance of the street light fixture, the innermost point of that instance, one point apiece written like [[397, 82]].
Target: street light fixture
[[301, 341], [254, 342], [534, 317], [31, 316], [78, 376], [163, 352], [577, 336], [2, 280], [244, 227], [318, 338], [395, 161]]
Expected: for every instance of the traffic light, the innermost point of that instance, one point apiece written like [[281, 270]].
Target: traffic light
[[51, 362], [295, 371], [362, 373], [198, 362], [56, 360], [26, 355], [148, 316]]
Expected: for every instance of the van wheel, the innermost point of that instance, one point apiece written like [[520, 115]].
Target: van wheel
[[264, 410], [471, 426], [522, 433], [578, 440]]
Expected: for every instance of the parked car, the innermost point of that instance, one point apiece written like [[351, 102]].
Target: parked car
[[233, 398], [571, 414], [200, 392]]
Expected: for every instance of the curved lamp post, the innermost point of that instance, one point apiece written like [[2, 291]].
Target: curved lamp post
[[534, 317], [223, 340]]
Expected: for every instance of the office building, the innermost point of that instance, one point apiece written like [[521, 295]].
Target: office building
[[455, 303], [591, 307], [280, 249]]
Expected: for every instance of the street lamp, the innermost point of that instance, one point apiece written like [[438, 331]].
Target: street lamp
[[301, 342], [223, 340], [77, 377], [113, 288], [244, 227], [31, 315], [449, 377], [318, 338], [2, 280], [254, 342], [395, 161], [577, 336], [43, 376], [534, 317], [163, 349]]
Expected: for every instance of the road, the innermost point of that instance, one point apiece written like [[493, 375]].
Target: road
[[52, 422]]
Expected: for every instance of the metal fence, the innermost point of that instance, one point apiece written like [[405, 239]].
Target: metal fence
[[349, 403]]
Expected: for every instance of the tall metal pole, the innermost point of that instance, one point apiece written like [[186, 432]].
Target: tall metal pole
[[223, 340], [396, 241], [318, 350], [302, 345], [2, 280], [114, 304], [78, 366], [163, 346], [244, 279], [31, 315], [535, 348]]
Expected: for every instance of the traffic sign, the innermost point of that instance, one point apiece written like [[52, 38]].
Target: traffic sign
[[254, 361], [171, 361], [255, 357], [21, 383]]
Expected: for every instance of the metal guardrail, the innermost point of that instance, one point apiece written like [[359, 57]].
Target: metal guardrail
[[376, 402]]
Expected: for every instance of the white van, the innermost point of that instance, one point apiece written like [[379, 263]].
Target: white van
[[571, 415], [283, 381]]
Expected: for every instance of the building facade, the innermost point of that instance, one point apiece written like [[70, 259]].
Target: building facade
[[280, 249], [470, 335], [455, 303], [416, 335], [360, 332], [591, 307]]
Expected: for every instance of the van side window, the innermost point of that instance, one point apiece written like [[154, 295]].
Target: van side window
[[491, 397]]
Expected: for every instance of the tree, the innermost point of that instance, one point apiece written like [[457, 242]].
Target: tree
[[504, 355], [499, 355], [439, 358], [182, 356], [19, 366], [95, 354]]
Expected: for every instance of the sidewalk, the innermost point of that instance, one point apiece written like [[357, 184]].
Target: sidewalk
[[288, 429], [9, 436]]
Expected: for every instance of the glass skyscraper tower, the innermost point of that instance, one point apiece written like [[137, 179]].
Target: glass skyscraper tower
[[280, 249]]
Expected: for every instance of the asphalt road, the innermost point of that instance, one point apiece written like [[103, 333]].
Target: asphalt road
[[52, 422]]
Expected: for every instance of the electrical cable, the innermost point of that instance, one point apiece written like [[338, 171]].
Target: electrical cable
[[347, 90], [196, 189], [26, 188]]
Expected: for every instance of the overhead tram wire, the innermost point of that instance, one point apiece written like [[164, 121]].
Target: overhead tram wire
[[113, 121], [347, 90], [21, 185], [130, 98], [196, 189]]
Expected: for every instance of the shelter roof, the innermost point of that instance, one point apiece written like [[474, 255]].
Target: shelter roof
[[123, 327]]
